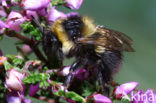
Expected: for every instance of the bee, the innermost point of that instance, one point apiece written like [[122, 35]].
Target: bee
[[93, 46]]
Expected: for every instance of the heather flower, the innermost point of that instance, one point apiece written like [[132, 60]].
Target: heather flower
[[98, 98], [13, 80], [4, 3], [3, 25], [14, 20], [54, 15], [125, 89], [33, 89], [42, 12], [80, 74], [14, 97], [2, 12], [35, 4], [26, 49], [30, 13], [74, 4]]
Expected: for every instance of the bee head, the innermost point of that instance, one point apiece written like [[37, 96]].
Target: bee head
[[73, 26]]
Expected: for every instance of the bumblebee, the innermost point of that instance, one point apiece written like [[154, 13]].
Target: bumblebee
[[93, 47]]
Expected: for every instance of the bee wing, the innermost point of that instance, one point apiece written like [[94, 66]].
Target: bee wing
[[110, 39]]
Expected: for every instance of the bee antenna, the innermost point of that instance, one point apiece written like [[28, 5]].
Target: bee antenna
[[38, 24]]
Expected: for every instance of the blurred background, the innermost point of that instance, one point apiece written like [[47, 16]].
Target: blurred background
[[137, 19]]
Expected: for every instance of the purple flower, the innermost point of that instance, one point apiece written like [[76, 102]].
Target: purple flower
[[30, 13], [26, 49], [13, 80], [4, 3], [80, 74], [125, 89], [2, 12], [54, 15], [98, 98], [14, 97], [42, 12], [74, 4], [140, 97], [3, 25], [14, 20], [35, 4], [33, 89]]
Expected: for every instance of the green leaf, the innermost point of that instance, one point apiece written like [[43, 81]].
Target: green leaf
[[7, 65], [74, 96], [36, 78]]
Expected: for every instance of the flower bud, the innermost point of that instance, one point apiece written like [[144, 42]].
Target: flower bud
[[74, 4], [30, 13], [33, 89], [54, 15], [98, 98], [2, 12], [3, 25], [13, 80], [14, 20], [125, 89], [35, 4]]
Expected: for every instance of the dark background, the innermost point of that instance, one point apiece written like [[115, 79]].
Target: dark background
[[137, 19]]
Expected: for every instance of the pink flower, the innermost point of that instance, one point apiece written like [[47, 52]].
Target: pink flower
[[33, 89], [4, 3], [42, 12], [98, 98], [125, 89], [26, 49], [30, 13], [13, 80], [2, 12], [54, 15], [3, 25], [35, 4], [13, 97], [14, 20], [74, 4]]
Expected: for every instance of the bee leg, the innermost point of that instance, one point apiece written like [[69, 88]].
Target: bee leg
[[73, 67], [60, 58], [104, 78]]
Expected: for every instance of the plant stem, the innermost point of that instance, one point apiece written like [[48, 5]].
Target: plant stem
[[29, 42]]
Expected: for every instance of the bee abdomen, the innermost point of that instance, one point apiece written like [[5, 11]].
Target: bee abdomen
[[112, 60]]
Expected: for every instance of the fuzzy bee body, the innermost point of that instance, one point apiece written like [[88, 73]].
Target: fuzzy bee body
[[93, 46]]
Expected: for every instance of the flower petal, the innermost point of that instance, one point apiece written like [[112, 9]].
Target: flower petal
[[3, 24], [98, 98], [30, 13], [35, 4], [33, 89], [74, 4], [13, 80], [125, 89], [2, 12], [14, 20], [54, 15]]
